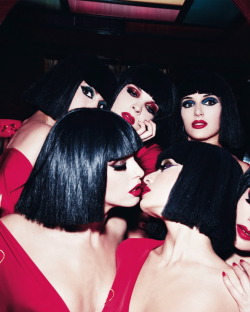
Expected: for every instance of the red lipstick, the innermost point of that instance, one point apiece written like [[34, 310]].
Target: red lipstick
[[199, 124], [136, 191], [146, 189], [243, 232], [130, 119]]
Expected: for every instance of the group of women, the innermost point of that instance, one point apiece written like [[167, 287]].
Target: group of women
[[89, 149]]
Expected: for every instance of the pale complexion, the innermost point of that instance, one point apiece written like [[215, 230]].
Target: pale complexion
[[184, 274], [240, 261], [36, 128], [138, 108], [201, 114], [88, 252]]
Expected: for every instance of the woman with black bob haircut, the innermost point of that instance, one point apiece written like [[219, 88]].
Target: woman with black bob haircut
[[207, 112], [240, 260], [85, 168], [193, 193], [79, 80]]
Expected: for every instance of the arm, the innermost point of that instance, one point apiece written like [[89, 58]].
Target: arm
[[242, 295], [29, 139]]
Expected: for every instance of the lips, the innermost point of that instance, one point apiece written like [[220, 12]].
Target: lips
[[136, 191], [243, 232], [130, 119], [146, 189], [199, 124]]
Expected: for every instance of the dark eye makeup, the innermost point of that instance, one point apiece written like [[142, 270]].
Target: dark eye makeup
[[167, 163], [88, 91], [152, 108], [209, 101], [134, 92], [187, 103], [119, 165]]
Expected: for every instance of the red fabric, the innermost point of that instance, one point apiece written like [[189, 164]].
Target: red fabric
[[23, 287], [15, 169], [147, 157], [131, 255]]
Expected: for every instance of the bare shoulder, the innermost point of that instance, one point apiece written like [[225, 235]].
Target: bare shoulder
[[30, 138], [245, 166]]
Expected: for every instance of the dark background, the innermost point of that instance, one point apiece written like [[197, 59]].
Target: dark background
[[212, 34]]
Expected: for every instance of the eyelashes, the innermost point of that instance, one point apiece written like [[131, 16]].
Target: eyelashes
[[167, 163], [133, 92], [152, 108], [208, 101], [88, 91], [119, 165]]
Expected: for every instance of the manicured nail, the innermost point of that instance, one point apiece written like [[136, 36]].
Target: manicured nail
[[234, 264], [224, 274], [241, 260]]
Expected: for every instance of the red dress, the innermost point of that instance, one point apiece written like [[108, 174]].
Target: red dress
[[23, 287], [131, 255], [15, 169]]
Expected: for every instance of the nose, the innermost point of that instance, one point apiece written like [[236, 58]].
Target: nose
[[198, 111], [149, 178], [138, 170], [137, 108]]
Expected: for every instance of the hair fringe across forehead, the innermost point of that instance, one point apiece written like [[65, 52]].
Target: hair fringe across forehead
[[71, 169], [204, 195]]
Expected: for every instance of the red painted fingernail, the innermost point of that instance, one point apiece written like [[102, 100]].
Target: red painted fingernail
[[241, 260], [234, 264], [224, 274]]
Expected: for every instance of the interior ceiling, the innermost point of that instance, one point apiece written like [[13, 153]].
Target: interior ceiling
[[133, 31]]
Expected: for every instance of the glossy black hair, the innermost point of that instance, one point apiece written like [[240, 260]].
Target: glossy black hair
[[230, 134], [68, 183], [54, 91], [244, 183], [204, 195], [154, 82]]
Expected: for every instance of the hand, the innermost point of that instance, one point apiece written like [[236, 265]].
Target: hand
[[242, 296], [147, 130]]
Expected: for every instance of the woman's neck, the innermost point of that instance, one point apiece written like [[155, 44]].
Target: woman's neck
[[183, 244]]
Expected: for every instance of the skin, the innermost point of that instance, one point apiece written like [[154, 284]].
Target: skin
[[241, 261], [98, 241], [206, 107], [185, 266], [141, 106], [36, 128]]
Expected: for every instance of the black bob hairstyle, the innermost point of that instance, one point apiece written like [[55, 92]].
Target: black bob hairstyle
[[154, 82], [205, 193], [208, 82], [68, 183], [54, 91], [244, 183]]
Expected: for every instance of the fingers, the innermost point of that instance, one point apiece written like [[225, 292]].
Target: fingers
[[241, 294], [246, 266], [147, 130], [231, 288], [242, 276]]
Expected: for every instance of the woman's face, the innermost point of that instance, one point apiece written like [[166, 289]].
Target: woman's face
[[243, 222], [201, 117], [85, 96], [135, 106], [158, 187], [123, 183]]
